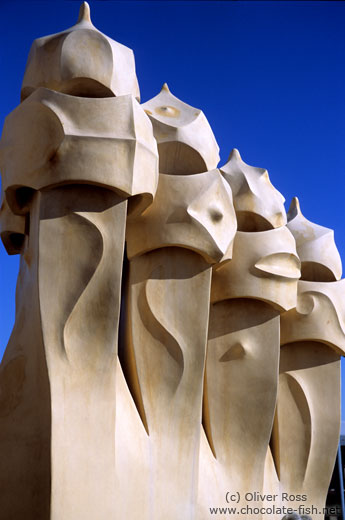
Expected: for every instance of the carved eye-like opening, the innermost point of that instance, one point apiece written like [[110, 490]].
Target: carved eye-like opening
[[315, 272], [251, 222]]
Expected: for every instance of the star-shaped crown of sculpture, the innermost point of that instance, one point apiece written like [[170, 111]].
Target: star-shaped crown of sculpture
[[259, 206], [81, 61], [186, 143], [315, 245]]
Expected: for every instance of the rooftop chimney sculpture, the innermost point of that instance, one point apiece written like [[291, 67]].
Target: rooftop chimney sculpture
[[177, 335]]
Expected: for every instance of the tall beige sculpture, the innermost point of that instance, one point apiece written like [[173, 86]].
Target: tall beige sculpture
[[177, 335], [247, 297], [189, 227], [306, 432], [80, 159]]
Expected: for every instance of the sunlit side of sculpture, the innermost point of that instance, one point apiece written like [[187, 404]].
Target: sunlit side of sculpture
[[177, 335]]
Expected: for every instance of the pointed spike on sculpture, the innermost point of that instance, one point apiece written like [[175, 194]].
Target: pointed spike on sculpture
[[84, 13], [294, 209], [235, 155], [165, 88]]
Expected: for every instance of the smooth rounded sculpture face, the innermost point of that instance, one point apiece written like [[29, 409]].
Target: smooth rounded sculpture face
[[264, 266], [186, 143], [258, 205]]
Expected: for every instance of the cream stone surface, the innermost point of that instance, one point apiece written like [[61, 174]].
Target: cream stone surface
[[265, 266], [81, 61], [313, 243], [259, 206], [185, 139], [307, 424], [165, 355], [242, 355], [177, 336], [171, 246], [247, 295], [319, 315], [68, 139], [192, 211]]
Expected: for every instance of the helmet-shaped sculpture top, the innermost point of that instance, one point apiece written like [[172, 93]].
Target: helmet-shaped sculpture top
[[81, 61]]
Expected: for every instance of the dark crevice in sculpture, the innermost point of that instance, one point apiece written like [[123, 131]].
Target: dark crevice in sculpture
[[13, 242], [252, 222], [125, 348], [314, 272], [19, 199], [79, 87]]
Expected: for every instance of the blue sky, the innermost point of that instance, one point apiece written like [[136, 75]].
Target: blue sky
[[270, 77]]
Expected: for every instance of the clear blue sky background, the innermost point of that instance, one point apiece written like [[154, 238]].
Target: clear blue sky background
[[270, 77]]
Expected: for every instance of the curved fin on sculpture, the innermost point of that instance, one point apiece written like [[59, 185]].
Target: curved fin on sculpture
[[206, 420], [160, 328], [71, 241], [96, 253], [274, 445], [130, 370]]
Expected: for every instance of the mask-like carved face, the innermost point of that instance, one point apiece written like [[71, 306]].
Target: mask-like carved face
[[320, 259], [81, 61], [66, 139], [264, 266], [186, 144], [319, 315], [258, 205], [191, 211]]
